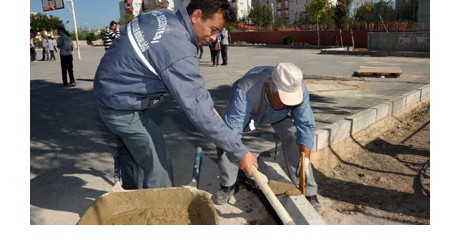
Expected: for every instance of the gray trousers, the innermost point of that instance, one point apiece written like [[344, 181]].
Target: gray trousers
[[285, 130], [141, 154]]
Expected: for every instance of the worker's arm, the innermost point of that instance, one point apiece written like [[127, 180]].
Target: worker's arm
[[185, 83], [304, 121], [238, 112]]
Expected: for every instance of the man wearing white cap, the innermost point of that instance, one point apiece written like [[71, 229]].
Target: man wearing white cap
[[276, 96]]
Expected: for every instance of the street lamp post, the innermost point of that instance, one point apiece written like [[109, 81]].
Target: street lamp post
[[72, 10]]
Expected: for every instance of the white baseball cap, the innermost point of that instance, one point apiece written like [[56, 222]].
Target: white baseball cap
[[288, 79]]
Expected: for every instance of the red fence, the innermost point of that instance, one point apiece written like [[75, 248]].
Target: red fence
[[327, 38]]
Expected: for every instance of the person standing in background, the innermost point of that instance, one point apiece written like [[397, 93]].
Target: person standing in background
[[225, 41], [200, 53], [45, 54], [33, 53], [215, 50], [52, 48], [110, 34], [65, 46]]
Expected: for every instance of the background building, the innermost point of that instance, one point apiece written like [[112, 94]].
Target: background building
[[287, 9], [136, 7], [241, 7]]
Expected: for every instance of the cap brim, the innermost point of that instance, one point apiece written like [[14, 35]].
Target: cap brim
[[291, 99]]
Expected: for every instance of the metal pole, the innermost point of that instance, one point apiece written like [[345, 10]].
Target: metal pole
[[75, 27]]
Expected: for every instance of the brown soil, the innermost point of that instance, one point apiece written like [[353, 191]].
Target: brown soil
[[370, 177]]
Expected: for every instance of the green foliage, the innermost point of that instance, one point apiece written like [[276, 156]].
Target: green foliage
[[229, 28], [261, 15], [40, 22], [85, 34], [127, 18], [370, 11], [407, 11], [341, 13], [288, 40], [318, 12], [281, 21], [154, 6]]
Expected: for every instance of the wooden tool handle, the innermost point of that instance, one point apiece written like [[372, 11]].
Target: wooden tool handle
[[302, 174], [261, 181]]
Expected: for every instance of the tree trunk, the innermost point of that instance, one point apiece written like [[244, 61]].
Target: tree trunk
[[352, 37], [317, 31], [341, 37]]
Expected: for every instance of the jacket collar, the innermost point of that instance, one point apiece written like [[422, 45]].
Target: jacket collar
[[185, 20]]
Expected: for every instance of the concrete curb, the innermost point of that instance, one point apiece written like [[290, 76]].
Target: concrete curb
[[353, 124], [300, 210]]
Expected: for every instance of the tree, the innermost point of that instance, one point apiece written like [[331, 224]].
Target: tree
[[355, 5], [261, 15], [318, 12], [40, 22], [154, 6], [384, 9], [372, 12], [341, 14], [128, 17]]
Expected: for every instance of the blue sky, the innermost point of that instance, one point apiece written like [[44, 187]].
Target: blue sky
[[91, 14]]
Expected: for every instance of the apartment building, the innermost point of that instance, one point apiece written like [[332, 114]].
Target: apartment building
[[137, 6], [288, 9]]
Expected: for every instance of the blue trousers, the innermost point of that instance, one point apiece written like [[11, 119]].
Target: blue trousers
[[141, 154]]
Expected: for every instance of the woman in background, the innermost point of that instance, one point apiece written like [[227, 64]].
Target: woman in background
[[65, 46]]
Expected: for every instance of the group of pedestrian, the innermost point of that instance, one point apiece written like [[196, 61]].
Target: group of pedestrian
[[49, 47], [65, 46], [134, 75], [218, 47]]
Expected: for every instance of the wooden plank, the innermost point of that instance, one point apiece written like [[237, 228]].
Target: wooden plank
[[378, 71]]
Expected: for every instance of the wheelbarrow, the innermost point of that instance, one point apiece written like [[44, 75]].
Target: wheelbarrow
[[185, 205]]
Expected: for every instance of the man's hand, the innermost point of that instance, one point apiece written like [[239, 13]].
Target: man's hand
[[246, 163], [307, 152], [306, 164]]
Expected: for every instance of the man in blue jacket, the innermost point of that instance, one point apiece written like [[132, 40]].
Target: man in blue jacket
[[155, 55], [275, 96]]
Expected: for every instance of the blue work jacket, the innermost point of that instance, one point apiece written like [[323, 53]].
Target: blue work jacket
[[155, 55]]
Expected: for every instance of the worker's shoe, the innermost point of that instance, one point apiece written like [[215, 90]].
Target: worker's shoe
[[225, 193], [314, 202]]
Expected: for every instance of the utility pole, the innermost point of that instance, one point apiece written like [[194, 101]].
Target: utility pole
[[72, 10]]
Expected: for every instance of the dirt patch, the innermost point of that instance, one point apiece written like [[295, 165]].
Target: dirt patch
[[370, 178]]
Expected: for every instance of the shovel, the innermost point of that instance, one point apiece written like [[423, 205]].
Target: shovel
[[262, 182]]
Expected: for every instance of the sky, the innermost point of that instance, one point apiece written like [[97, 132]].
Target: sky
[[90, 14]]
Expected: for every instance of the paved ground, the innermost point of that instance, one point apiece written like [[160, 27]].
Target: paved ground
[[70, 148]]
